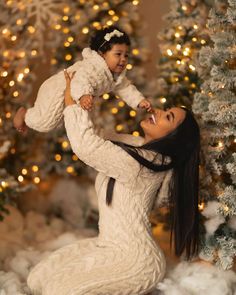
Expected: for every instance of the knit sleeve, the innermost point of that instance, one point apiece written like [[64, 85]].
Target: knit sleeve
[[129, 93], [102, 155]]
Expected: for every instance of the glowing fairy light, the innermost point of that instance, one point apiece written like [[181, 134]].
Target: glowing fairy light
[[5, 31], [169, 52], [15, 94], [57, 157], [35, 168], [132, 113], [67, 44], [19, 21], [85, 30], [4, 74], [178, 62], [70, 169], [119, 127], [96, 25], [192, 68], [135, 133], [184, 8], [121, 104], [195, 27], [177, 34], [106, 96], [4, 184], [111, 12], [70, 39], [34, 52], [36, 180], [135, 2], [31, 29], [162, 99], [220, 144], [109, 22], [68, 57], [66, 30], [114, 110], [20, 77], [57, 27], [65, 18], [194, 39], [115, 18], [11, 83], [178, 46], [66, 9], [226, 208], [8, 115], [95, 7], [235, 140], [186, 78], [75, 158], [24, 171], [135, 51], [65, 144], [201, 206], [203, 41], [13, 38], [26, 70], [20, 178], [129, 67]]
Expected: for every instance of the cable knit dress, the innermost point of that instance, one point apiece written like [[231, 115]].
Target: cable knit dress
[[124, 258]]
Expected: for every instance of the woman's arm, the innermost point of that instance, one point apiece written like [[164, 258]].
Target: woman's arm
[[102, 155]]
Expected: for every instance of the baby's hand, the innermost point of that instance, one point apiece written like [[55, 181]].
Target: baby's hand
[[19, 120], [86, 102], [145, 104]]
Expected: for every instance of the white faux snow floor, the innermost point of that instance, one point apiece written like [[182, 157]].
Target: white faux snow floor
[[25, 240]]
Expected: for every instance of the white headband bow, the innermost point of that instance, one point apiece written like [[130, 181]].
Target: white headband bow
[[108, 36]]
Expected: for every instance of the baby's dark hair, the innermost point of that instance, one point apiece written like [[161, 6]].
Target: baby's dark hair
[[98, 43]]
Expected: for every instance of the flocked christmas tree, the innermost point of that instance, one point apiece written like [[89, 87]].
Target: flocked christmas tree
[[179, 44], [52, 34], [216, 107]]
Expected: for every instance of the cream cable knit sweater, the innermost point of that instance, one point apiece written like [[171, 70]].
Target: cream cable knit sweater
[[124, 259], [92, 77]]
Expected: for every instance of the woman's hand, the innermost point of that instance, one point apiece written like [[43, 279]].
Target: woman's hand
[[67, 95]]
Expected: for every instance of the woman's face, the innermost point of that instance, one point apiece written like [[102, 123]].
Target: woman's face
[[166, 122]]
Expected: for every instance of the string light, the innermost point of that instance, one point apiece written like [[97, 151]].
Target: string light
[[65, 144], [75, 158], [57, 157], [19, 22], [70, 169], [65, 18], [195, 27], [162, 99], [11, 83], [194, 39], [192, 68], [109, 22], [85, 30], [203, 41], [114, 110], [178, 46], [36, 180], [135, 51], [184, 8], [111, 12], [66, 30], [20, 77], [201, 206], [8, 115], [31, 29], [34, 52], [66, 9], [4, 74], [96, 7], [70, 39], [67, 44], [115, 18], [129, 67], [220, 144], [15, 93], [177, 34], [119, 127], [20, 178], [132, 113], [4, 184], [26, 70], [135, 2], [121, 104], [57, 27], [169, 52], [35, 168], [135, 133], [68, 57], [106, 96], [24, 171]]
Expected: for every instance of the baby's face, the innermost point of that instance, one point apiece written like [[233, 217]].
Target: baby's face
[[117, 58]]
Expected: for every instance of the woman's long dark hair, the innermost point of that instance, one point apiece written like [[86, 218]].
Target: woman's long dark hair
[[183, 146]]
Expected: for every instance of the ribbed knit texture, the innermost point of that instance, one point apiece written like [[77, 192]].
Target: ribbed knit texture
[[124, 258]]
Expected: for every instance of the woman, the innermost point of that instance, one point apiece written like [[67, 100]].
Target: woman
[[124, 258]]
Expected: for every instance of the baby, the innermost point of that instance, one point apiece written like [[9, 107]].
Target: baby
[[102, 70]]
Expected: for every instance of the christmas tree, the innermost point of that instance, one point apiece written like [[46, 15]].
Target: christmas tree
[[216, 107], [179, 44]]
